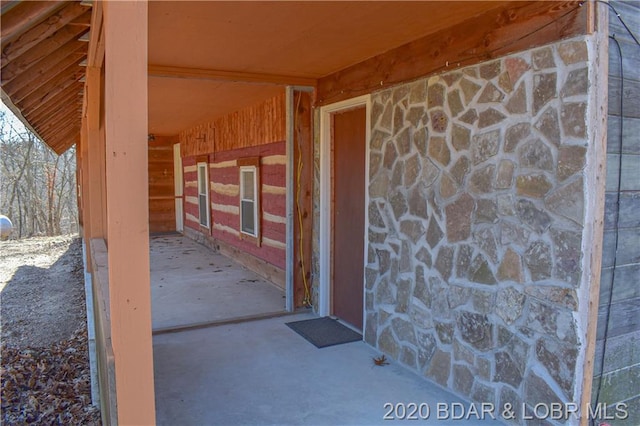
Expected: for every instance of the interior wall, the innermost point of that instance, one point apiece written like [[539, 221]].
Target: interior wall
[[474, 274], [622, 361], [162, 216]]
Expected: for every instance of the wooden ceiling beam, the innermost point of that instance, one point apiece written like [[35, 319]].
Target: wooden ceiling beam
[[74, 88], [64, 133], [51, 106], [56, 41], [69, 68], [512, 27], [163, 71], [61, 131], [25, 15], [27, 72], [64, 141], [37, 34], [7, 5], [62, 124], [49, 90], [63, 128], [59, 116], [21, 84]]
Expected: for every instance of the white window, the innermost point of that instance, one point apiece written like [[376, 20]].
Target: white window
[[249, 200], [203, 194]]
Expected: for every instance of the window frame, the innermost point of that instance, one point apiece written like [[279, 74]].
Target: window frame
[[244, 165], [203, 165]]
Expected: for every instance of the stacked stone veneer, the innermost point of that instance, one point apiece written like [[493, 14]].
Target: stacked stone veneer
[[475, 224]]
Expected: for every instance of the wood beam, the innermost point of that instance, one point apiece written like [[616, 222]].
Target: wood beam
[[163, 71], [62, 142], [47, 92], [68, 68], [95, 55], [25, 15], [303, 195], [82, 156], [70, 124], [96, 157], [510, 28], [62, 147], [29, 71], [58, 119], [42, 50], [69, 95], [64, 134], [56, 130], [55, 101], [37, 34], [127, 187], [65, 126]]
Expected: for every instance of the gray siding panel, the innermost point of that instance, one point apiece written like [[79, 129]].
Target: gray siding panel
[[621, 379]]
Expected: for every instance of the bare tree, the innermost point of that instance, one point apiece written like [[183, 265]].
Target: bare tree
[[37, 187]]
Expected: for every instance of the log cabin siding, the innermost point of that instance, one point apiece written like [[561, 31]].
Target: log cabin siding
[[224, 180], [255, 131], [271, 177]]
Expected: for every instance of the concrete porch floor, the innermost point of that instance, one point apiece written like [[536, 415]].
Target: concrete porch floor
[[263, 373], [191, 285]]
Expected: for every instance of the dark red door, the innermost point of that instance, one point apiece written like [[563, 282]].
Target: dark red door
[[349, 133]]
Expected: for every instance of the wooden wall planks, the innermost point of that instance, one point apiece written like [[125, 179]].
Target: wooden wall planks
[[259, 124], [162, 216]]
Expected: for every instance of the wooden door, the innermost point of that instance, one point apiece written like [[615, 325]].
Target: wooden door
[[179, 199], [349, 134]]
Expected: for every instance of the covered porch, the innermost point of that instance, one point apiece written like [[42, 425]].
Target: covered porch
[[474, 121]]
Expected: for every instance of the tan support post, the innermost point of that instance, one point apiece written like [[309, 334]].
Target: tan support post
[[125, 25], [82, 155], [96, 153]]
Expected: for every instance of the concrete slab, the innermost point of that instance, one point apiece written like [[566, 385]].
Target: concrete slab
[[263, 373], [191, 284]]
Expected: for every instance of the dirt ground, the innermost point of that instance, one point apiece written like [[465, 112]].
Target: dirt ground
[[45, 364]]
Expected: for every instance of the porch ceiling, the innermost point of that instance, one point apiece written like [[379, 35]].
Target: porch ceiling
[[276, 42]]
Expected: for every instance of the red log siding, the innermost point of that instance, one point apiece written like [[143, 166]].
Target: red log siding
[[224, 177]]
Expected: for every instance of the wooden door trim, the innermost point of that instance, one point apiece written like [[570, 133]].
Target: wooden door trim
[[326, 196]]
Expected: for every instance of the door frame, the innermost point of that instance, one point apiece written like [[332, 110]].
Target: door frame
[[326, 196], [178, 187]]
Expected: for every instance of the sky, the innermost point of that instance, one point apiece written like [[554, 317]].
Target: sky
[[17, 124]]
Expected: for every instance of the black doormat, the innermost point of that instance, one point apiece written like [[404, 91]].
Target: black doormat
[[323, 332]]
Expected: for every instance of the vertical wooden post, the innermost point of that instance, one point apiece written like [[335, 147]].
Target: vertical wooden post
[[82, 155], [595, 181], [96, 153], [302, 194], [125, 25]]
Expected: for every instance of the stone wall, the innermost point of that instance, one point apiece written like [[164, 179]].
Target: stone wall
[[475, 225], [622, 362]]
